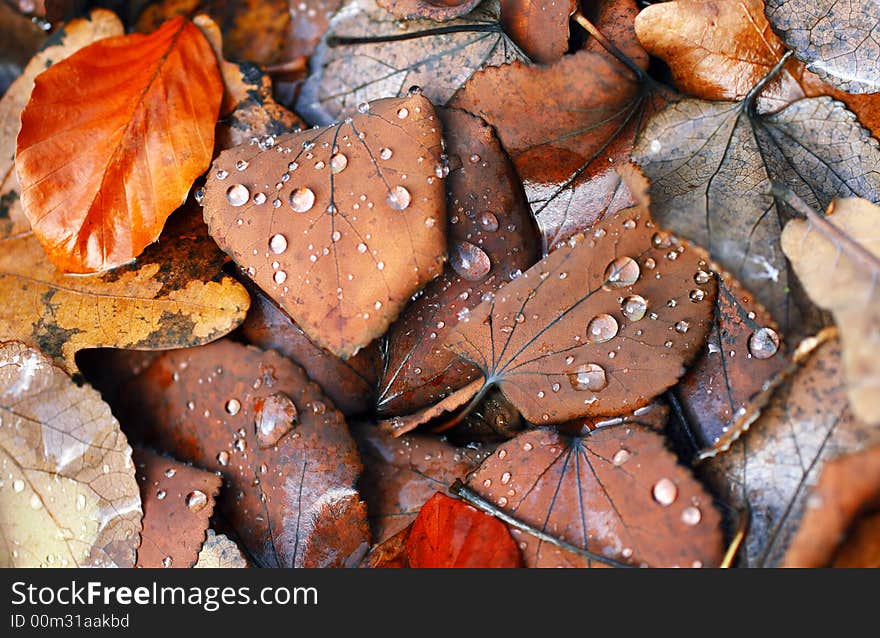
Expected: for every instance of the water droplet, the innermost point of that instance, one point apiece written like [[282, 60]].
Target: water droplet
[[362, 248], [697, 295], [662, 240], [402, 113], [505, 478], [664, 492], [221, 174], [634, 307], [764, 343], [238, 195], [260, 199], [398, 198], [469, 261], [385, 153], [502, 502], [170, 472], [569, 360], [274, 417], [200, 196], [691, 515], [336, 236], [233, 407], [363, 107], [621, 272], [338, 163], [18, 485], [80, 502], [278, 244], [302, 199], [414, 90], [650, 264], [196, 500], [620, 457], [279, 277], [161, 494], [240, 445], [489, 221], [241, 164], [702, 277], [602, 328], [166, 562], [682, 327], [223, 458], [590, 376]]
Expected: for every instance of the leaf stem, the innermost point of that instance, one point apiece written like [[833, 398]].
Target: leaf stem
[[736, 542], [752, 95], [468, 495], [609, 46], [336, 41]]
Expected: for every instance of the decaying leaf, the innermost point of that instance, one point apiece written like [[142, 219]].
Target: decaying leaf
[[174, 295], [839, 40], [284, 451], [103, 163], [437, 10], [398, 425], [616, 491], [220, 551], [307, 216], [773, 467], [539, 27], [849, 487], [75, 35], [177, 501], [491, 238], [346, 71], [711, 165], [70, 497], [598, 327], [400, 474], [837, 258]]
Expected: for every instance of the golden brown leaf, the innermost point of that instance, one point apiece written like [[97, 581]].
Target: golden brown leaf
[[220, 551]]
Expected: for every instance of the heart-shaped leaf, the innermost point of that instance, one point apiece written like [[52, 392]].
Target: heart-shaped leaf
[[340, 225], [103, 162]]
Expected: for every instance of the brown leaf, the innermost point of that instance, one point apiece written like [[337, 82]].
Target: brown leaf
[[491, 237], [848, 488], [437, 10], [75, 35], [174, 295], [837, 259], [400, 474], [598, 327], [539, 27], [219, 551], [617, 492], [836, 38], [71, 499], [493, 419], [21, 38], [346, 74], [308, 216], [103, 163], [177, 501], [398, 425], [282, 448], [350, 383], [773, 467]]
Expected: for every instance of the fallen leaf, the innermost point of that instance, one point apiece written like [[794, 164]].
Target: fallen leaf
[[177, 502], [284, 451], [539, 27], [309, 21], [74, 36], [72, 499], [437, 10], [598, 327], [848, 488], [174, 295], [616, 491], [493, 419], [332, 264], [711, 165], [22, 38], [400, 474], [346, 73], [773, 467], [448, 533], [398, 425], [219, 551], [350, 383], [98, 182], [389, 554], [837, 258], [837, 39], [491, 238]]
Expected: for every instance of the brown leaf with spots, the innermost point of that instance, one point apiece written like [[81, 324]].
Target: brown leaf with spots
[[773, 467], [491, 238], [177, 501], [616, 491], [437, 10], [598, 327], [539, 27], [174, 295], [400, 474], [368, 54], [219, 551], [284, 451], [70, 497], [350, 383], [307, 216]]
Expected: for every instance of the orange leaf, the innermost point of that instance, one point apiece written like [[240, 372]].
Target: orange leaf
[[449, 533], [111, 141]]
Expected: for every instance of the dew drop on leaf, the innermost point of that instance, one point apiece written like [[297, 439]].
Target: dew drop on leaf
[[590, 376], [196, 500], [238, 195], [302, 199], [764, 343], [278, 244], [602, 328], [634, 307], [664, 492], [398, 198], [622, 272], [469, 261], [274, 417]]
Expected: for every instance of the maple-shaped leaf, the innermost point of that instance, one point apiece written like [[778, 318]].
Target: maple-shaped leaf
[[340, 225], [598, 327], [491, 239], [218, 551], [837, 258], [177, 500], [539, 27], [616, 492], [174, 295], [288, 462], [839, 40], [104, 162], [437, 10], [70, 498], [368, 54], [711, 165], [772, 468]]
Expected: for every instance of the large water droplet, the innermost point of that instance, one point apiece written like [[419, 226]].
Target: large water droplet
[[338, 163], [634, 307], [489, 221], [302, 199], [764, 343], [665, 492], [385, 153], [602, 328], [278, 244], [398, 198], [469, 261], [620, 457], [622, 272], [402, 113], [233, 407], [238, 195], [274, 417], [590, 376], [196, 500], [18, 485], [691, 515], [279, 277]]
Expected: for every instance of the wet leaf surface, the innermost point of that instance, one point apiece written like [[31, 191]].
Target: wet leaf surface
[[539, 27], [493, 419], [255, 417], [177, 500], [443, 409], [306, 216], [174, 295], [491, 238], [616, 491], [103, 163], [219, 551], [69, 496], [345, 75], [437, 10]]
